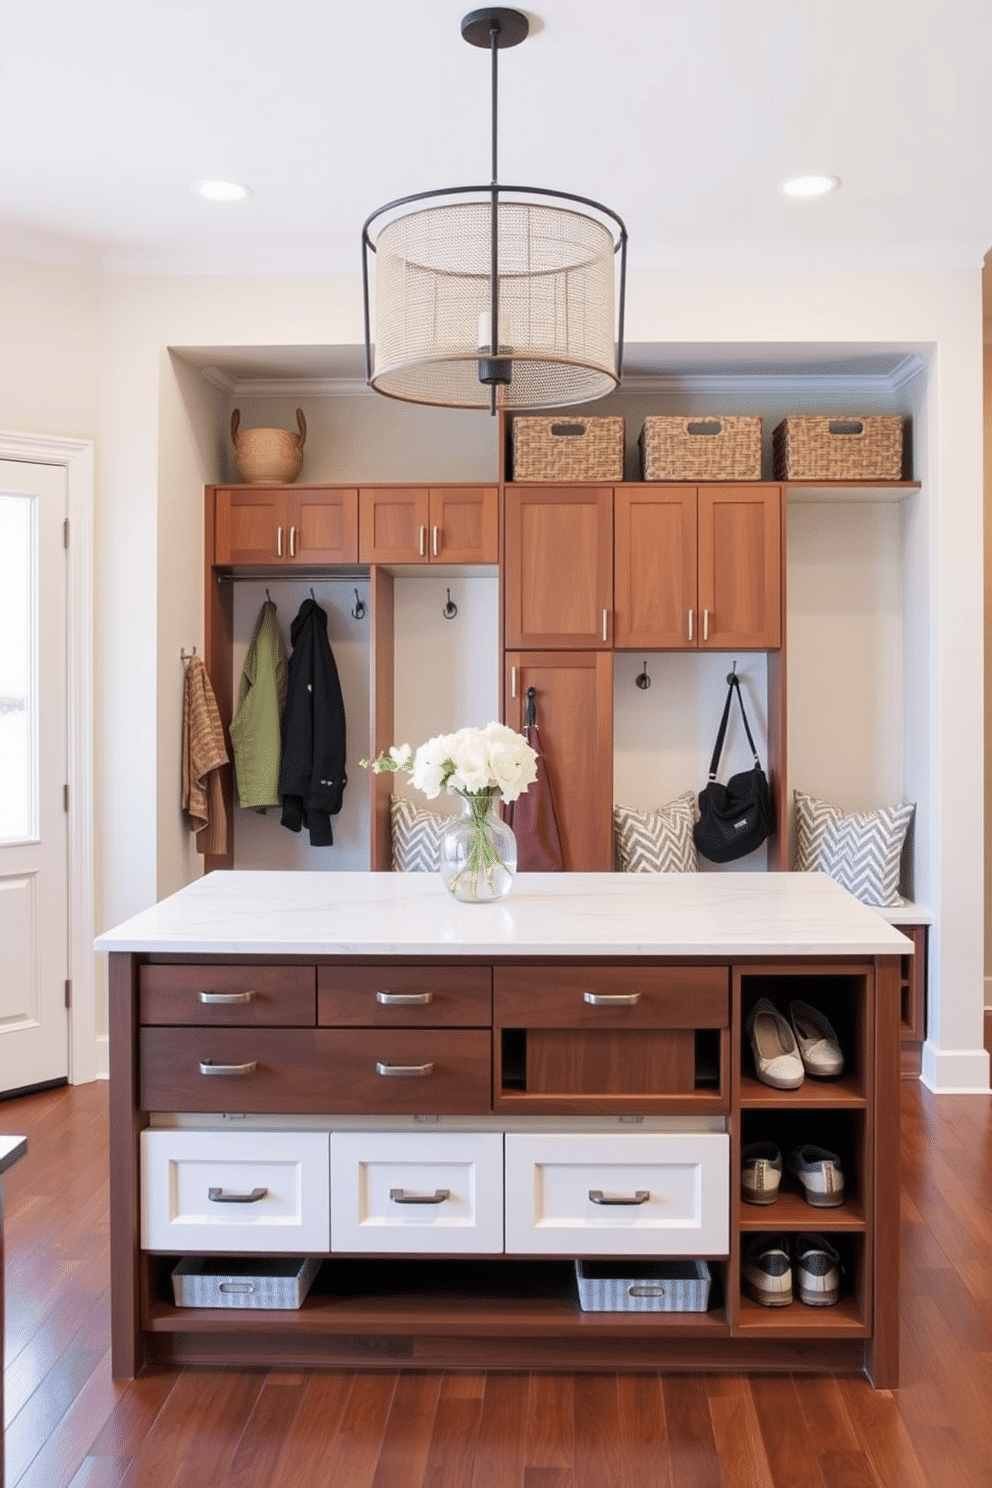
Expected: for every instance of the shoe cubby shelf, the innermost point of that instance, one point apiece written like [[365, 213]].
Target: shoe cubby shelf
[[790, 1212], [843, 1094]]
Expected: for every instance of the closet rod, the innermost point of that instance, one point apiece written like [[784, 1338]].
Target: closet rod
[[297, 575]]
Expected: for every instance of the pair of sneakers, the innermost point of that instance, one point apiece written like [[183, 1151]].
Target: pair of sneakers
[[786, 1050], [772, 1265], [818, 1170]]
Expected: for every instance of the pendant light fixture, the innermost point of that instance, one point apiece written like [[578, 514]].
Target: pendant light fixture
[[494, 296]]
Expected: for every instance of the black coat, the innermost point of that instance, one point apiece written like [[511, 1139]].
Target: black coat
[[312, 775]]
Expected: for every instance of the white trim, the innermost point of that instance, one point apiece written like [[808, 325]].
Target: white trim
[[76, 457], [955, 1071], [988, 994]]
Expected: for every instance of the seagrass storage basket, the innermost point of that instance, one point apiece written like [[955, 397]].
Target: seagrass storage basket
[[567, 449], [840, 448], [263, 1281], [658, 1286], [701, 449]]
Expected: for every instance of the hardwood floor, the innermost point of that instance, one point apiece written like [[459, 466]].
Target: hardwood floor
[[68, 1425]]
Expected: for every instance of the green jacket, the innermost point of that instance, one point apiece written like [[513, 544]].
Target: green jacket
[[255, 726]]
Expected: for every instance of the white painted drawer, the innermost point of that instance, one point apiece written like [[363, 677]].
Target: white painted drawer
[[565, 1193], [230, 1191], [435, 1192]]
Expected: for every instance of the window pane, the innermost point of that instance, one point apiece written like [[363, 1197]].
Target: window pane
[[18, 703]]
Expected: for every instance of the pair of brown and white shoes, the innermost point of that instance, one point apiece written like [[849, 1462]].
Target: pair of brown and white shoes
[[774, 1265], [786, 1050], [816, 1169]]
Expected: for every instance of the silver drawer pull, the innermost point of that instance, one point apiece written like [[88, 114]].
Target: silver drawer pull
[[221, 1196], [640, 1196], [207, 1067], [236, 1286], [410, 1070], [645, 1291], [400, 1196], [227, 999], [404, 999], [612, 999]]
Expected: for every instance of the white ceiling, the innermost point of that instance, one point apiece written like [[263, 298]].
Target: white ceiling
[[682, 115]]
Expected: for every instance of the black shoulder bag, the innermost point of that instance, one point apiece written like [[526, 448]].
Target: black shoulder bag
[[734, 818]]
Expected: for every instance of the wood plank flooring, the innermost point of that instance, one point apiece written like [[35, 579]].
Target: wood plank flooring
[[68, 1425]]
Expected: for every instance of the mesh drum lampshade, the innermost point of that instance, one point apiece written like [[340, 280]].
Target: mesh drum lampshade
[[538, 264]]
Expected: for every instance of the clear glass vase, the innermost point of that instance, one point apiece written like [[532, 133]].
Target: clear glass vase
[[478, 851]]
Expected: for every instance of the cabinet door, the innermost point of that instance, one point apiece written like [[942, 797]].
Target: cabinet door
[[575, 722], [740, 567], [464, 524], [654, 573], [558, 578], [324, 526], [251, 525], [393, 524]]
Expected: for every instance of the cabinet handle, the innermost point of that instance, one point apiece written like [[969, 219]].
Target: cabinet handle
[[221, 1196], [706, 625], [690, 625], [207, 1067], [292, 542], [227, 999], [423, 542], [513, 682], [640, 1196], [410, 1071], [605, 615], [404, 999], [612, 999], [278, 542], [400, 1196], [434, 542]]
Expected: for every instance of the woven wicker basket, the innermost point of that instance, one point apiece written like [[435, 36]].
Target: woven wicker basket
[[657, 1286], [701, 449], [262, 1282], [840, 448], [567, 449]]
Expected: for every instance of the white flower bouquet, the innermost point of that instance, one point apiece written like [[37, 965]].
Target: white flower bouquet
[[478, 851]]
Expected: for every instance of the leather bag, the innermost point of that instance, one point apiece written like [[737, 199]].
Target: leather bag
[[734, 818]]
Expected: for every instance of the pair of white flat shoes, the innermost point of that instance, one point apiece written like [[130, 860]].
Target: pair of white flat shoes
[[786, 1050]]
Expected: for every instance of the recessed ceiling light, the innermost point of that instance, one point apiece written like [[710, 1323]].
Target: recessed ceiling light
[[810, 185], [222, 191]]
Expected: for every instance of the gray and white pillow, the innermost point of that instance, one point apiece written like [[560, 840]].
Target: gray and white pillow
[[861, 850], [416, 836], [656, 841]]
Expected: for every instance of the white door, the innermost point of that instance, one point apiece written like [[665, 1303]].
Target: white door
[[33, 773]]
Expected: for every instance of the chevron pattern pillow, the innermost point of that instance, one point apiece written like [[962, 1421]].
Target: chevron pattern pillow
[[861, 850], [416, 836], [656, 841]]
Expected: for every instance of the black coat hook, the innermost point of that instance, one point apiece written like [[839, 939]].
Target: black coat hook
[[358, 613], [642, 680], [268, 595], [450, 609], [732, 676]]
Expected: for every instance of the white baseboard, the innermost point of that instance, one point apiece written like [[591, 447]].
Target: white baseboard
[[955, 1071]]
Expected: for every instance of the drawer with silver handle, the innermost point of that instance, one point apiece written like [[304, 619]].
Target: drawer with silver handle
[[404, 996], [256, 994]]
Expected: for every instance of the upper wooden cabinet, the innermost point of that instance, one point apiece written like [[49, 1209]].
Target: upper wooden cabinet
[[698, 567], [286, 524], [558, 567], [429, 524]]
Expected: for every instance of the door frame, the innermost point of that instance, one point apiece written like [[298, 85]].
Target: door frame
[[76, 458]]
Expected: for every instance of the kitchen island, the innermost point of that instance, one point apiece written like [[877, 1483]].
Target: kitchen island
[[452, 1105]]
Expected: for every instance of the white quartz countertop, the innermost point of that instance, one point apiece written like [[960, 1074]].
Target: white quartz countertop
[[545, 914]]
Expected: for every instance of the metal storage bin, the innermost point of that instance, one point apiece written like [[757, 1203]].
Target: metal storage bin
[[225, 1281], [659, 1286]]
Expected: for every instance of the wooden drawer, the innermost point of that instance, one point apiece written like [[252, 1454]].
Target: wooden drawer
[[404, 996], [232, 995], [685, 997], [639, 1193], [321, 1071], [432, 1192], [228, 1191]]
